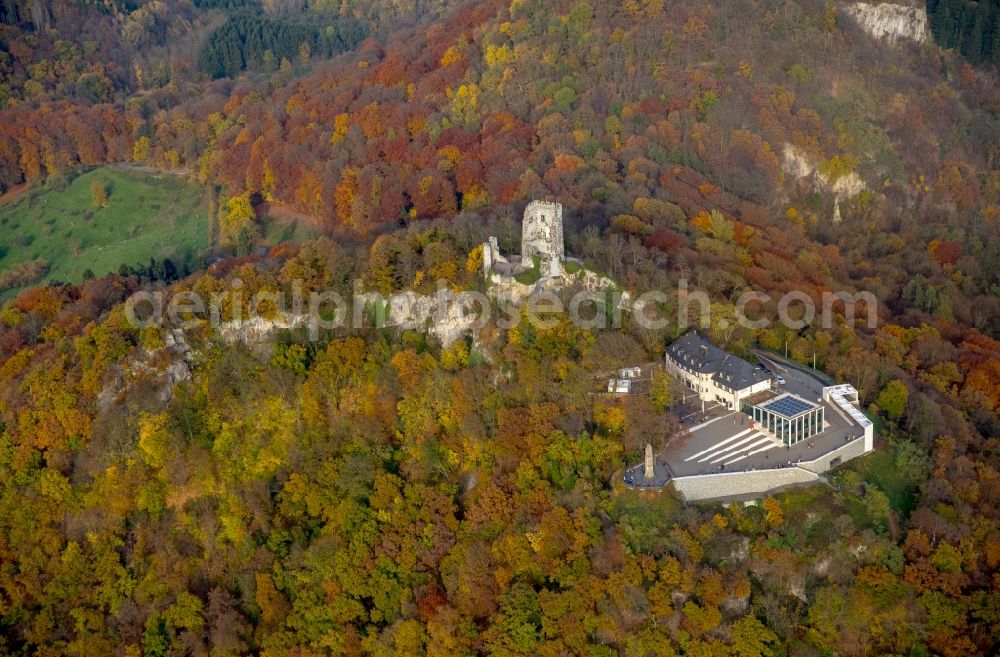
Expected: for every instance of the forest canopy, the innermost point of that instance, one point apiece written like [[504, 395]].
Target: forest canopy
[[248, 40], [973, 28], [174, 490]]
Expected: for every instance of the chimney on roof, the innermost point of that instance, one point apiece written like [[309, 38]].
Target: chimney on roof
[[704, 351]]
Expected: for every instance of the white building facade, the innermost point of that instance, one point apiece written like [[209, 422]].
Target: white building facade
[[713, 374]]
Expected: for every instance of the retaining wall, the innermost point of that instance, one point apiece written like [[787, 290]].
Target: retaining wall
[[730, 484], [697, 488], [850, 450]]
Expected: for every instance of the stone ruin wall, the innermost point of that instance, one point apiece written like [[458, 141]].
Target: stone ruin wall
[[542, 232]]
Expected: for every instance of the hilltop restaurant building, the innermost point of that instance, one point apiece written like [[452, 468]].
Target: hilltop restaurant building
[[715, 375]]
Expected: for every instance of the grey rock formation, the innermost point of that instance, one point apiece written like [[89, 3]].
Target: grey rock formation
[[891, 22]]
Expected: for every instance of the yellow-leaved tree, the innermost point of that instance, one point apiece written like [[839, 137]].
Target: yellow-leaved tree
[[237, 218]]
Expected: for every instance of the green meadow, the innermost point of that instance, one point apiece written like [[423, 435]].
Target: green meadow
[[147, 216]]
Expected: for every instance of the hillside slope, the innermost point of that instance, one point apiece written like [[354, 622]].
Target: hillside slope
[[170, 491]]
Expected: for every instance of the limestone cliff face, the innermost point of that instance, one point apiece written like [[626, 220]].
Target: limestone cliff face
[[447, 316], [259, 330], [797, 164], [890, 22], [164, 367]]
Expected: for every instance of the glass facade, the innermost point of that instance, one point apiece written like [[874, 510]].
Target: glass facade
[[790, 418]]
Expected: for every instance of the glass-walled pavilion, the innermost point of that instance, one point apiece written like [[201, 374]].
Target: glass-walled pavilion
[[789, 417]]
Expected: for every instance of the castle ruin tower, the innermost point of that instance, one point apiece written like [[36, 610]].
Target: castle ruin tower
[[491, 256], [542, 233], [487, 260]]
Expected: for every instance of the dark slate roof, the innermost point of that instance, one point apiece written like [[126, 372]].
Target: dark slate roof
[[695, 353]]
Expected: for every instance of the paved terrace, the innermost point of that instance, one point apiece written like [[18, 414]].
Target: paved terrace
[[726, 443]]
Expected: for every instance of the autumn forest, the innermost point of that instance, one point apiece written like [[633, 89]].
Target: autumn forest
[[170, 490]]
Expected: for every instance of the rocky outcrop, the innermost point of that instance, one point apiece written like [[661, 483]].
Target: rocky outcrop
[[890, 22], [797, 586], [510, 289], [259, 330], [165, 367], [741, 551], [736, 605], [822, 567], [448, 315], [798, 165]]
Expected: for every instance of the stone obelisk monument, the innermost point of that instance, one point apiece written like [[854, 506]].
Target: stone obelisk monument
[[649, 473]]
